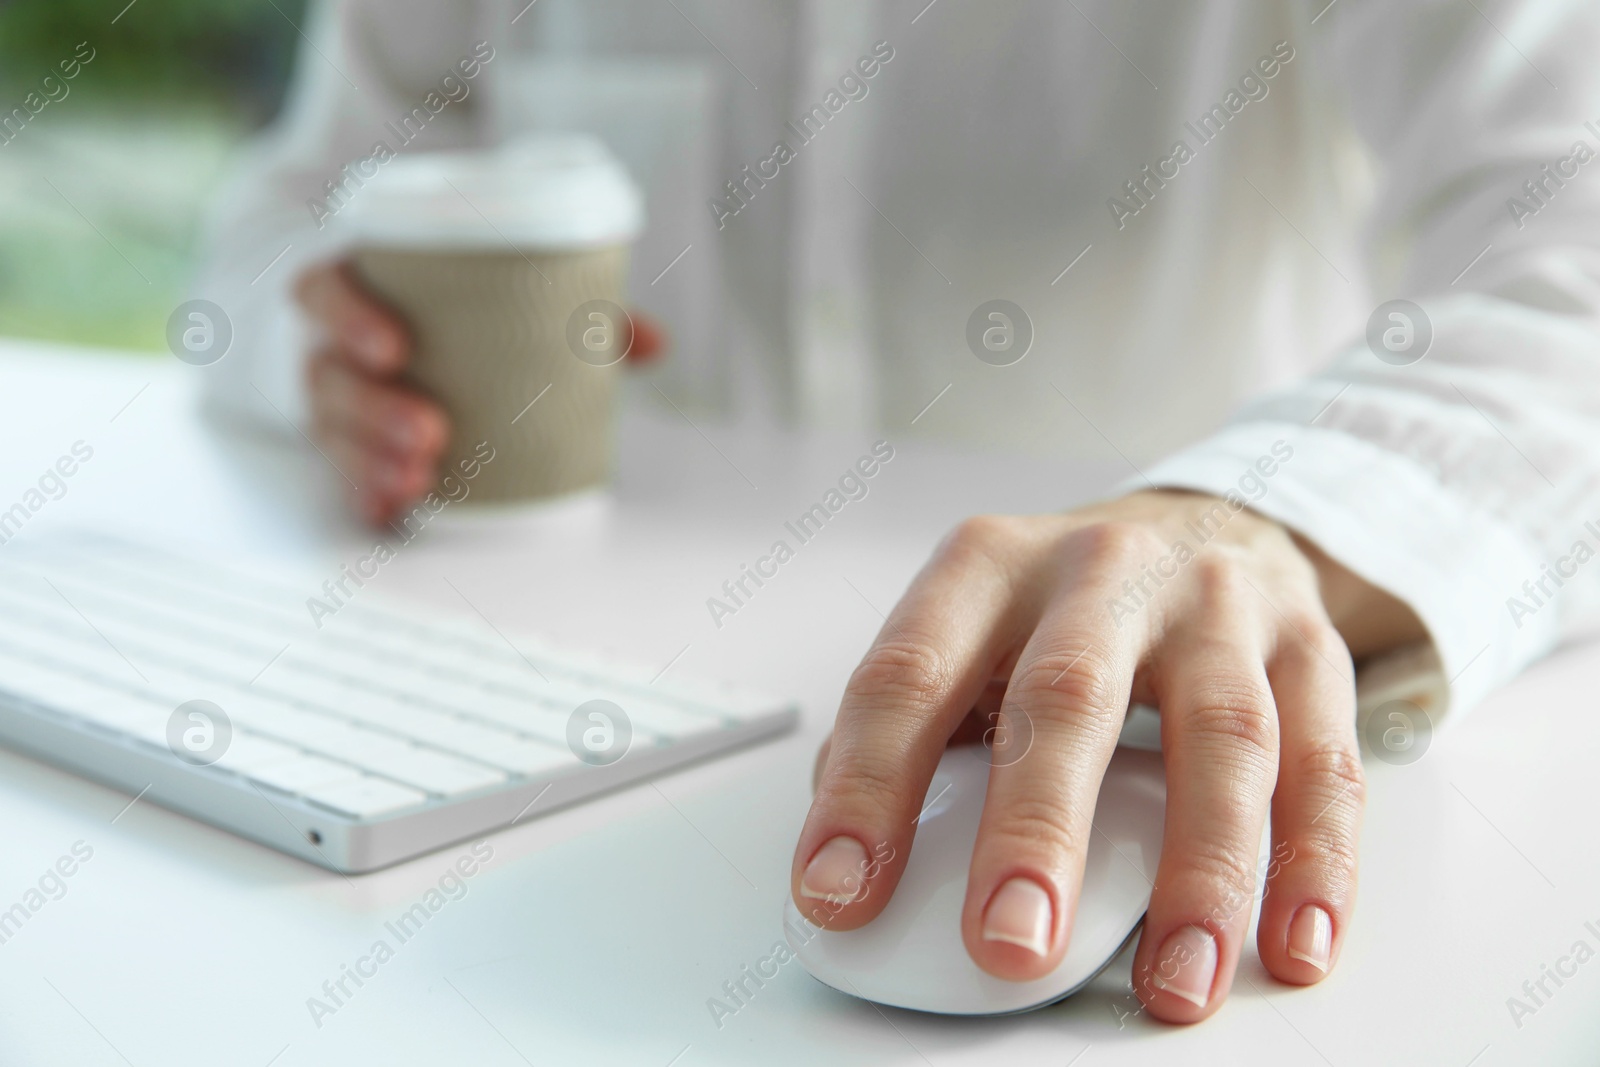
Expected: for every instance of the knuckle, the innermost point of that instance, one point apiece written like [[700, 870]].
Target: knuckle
[[1237, 719], [1329, 848], [1334, 775], [1080, 686], [1034, 822], [983, 529], [868, 776], [900, 671], [1228, 867], [1219, 579], [1332, 784], [1311, 624], [1115, 545], [1311, 639], [985, 537]]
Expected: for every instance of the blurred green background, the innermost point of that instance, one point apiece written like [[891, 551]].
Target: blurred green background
[[102, 191]]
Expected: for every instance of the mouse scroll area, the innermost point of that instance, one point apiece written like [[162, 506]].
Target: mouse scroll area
[[912, 956]]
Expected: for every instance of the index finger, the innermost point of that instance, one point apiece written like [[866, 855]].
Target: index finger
[[929, 663], [1070, 689]]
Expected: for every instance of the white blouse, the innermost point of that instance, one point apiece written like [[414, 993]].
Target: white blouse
[[1201, 211]]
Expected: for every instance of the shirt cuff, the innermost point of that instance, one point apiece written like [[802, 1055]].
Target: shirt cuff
[[261, 382], [1387, 519]]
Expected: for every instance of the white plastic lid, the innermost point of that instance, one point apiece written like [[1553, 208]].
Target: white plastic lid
[[550, 192]]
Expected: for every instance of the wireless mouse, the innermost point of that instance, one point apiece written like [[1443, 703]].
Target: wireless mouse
[[912, 956]]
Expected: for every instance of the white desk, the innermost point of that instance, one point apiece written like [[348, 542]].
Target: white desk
[[596, 935]]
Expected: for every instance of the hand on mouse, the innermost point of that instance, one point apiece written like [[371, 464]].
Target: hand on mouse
[[1245, 643], [385, 436]]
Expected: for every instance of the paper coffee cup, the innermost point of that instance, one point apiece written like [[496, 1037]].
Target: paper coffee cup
[[508, 267]]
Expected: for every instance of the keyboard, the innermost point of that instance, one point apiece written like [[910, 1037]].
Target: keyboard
[[353, 735]]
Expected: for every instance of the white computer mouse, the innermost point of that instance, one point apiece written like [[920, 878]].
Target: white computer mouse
[[912, 956]]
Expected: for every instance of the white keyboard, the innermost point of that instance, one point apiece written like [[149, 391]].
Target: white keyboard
[[382, 734]]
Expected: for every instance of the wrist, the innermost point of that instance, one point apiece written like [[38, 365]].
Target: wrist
[[1370, 620]]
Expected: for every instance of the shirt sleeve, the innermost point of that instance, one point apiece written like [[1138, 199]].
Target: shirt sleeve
[[363, 75], [1455, 463]]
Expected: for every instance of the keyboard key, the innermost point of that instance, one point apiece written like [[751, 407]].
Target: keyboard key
[[382, 712], [497, 748], [274, 717], [111, 707], [394, 758], [305, 773], [646, 715], [433, 771], [529, 717], [366, 797], [325, 693], [440, 689], [248, 752], [42, 685]]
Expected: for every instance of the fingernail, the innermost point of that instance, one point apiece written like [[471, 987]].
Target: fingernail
[[837, 873], [1187, 965], [1311, 937], [1019, 914]]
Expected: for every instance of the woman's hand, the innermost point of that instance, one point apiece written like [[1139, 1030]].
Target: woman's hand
[[1241, 634], [384, 435]]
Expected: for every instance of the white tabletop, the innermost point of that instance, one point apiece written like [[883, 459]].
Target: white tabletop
[[597, 935]]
